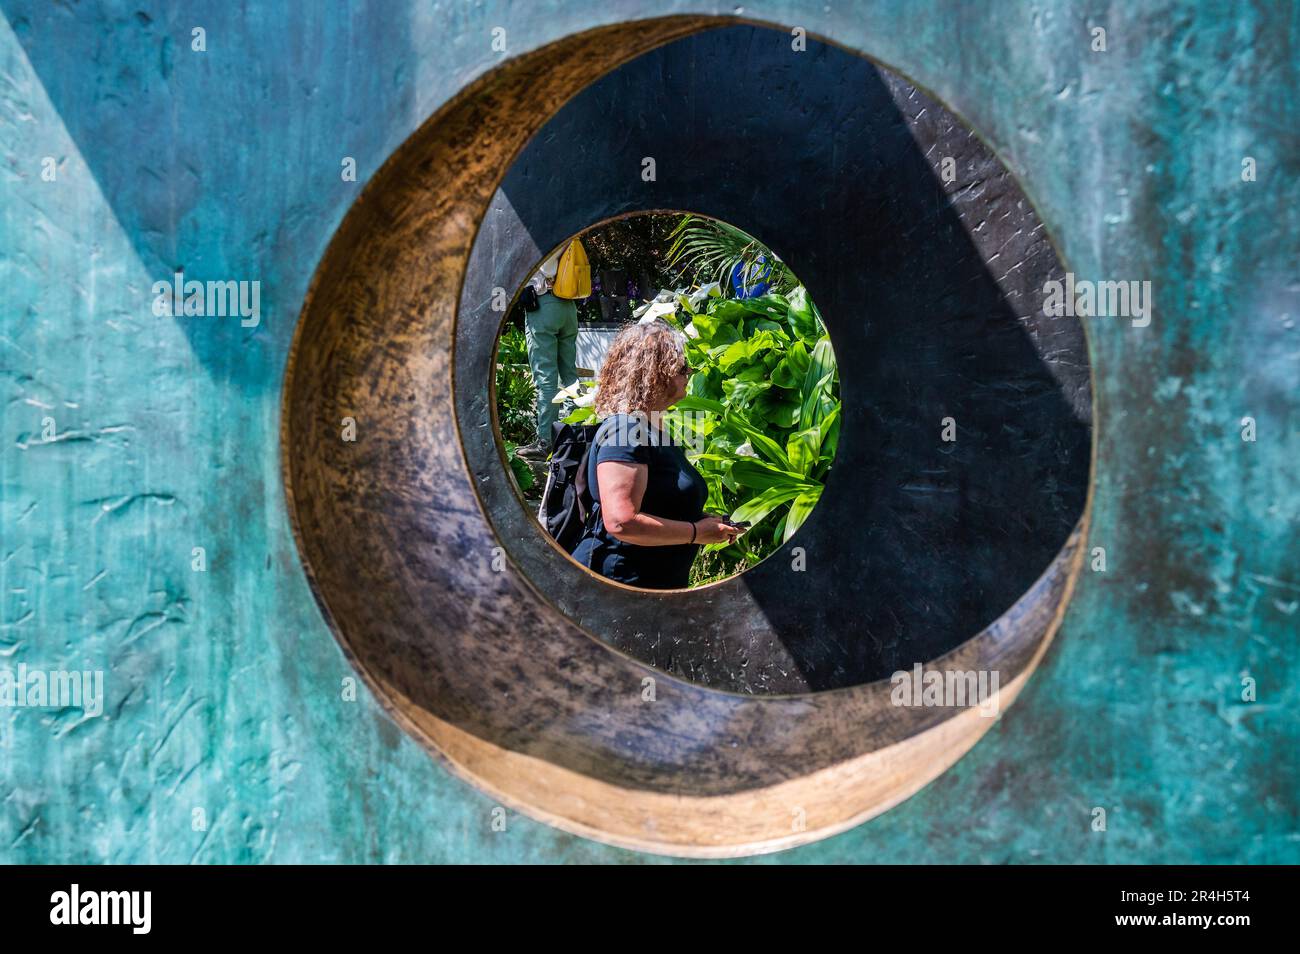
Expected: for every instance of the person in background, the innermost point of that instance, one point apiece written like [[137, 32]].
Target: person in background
[[552, 336]]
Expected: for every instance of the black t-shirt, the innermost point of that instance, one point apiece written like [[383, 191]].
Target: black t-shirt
[[674, 491]]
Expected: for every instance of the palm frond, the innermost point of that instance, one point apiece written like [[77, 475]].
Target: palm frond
[[713, 249]]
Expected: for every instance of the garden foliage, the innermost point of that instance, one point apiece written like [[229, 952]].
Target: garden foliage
[[516, 401]]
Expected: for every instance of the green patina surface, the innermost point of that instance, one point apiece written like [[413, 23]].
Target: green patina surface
[[223, 687]]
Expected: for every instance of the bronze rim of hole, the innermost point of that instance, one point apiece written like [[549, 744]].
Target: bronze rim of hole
[[474, 663]]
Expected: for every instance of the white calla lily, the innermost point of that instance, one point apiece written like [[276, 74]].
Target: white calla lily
[[711, 290], [581, 393], [657, 309]]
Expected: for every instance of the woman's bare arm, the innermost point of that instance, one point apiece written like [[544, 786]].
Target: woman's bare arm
[[622, 486]]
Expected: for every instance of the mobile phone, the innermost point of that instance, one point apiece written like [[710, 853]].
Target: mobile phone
[[743, 524]]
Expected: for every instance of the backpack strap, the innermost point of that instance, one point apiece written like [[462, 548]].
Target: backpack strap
[[580, 484]]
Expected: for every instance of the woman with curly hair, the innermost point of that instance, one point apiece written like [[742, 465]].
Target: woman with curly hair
[[649, 519]]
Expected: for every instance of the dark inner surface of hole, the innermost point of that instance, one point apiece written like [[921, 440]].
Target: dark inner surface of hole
[[932, 293]]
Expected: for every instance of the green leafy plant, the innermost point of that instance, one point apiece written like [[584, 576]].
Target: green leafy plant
[[519, 467], [516, 394]]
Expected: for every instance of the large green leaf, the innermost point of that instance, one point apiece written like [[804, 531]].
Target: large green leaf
[[799, 510], [756, 508], [803, 449], [788, 373], [714, 330], [762, 341], [803, 316], [742, 393], [830, 423], [776, 409], [756, 475], [810, 408], [817, 383], [734, 311], [760, 441], [695, 403], [519, 467], [735, 354]]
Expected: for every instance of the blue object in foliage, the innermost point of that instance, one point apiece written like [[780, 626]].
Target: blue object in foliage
[[752, 281]]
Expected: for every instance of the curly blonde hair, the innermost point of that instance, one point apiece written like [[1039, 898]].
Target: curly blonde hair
[[639, 368]]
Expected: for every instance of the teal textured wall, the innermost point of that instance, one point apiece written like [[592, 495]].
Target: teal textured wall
[[223, 687]]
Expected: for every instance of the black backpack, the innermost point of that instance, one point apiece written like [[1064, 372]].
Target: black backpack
[[528, 298], [567, 503], [525, 303]]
